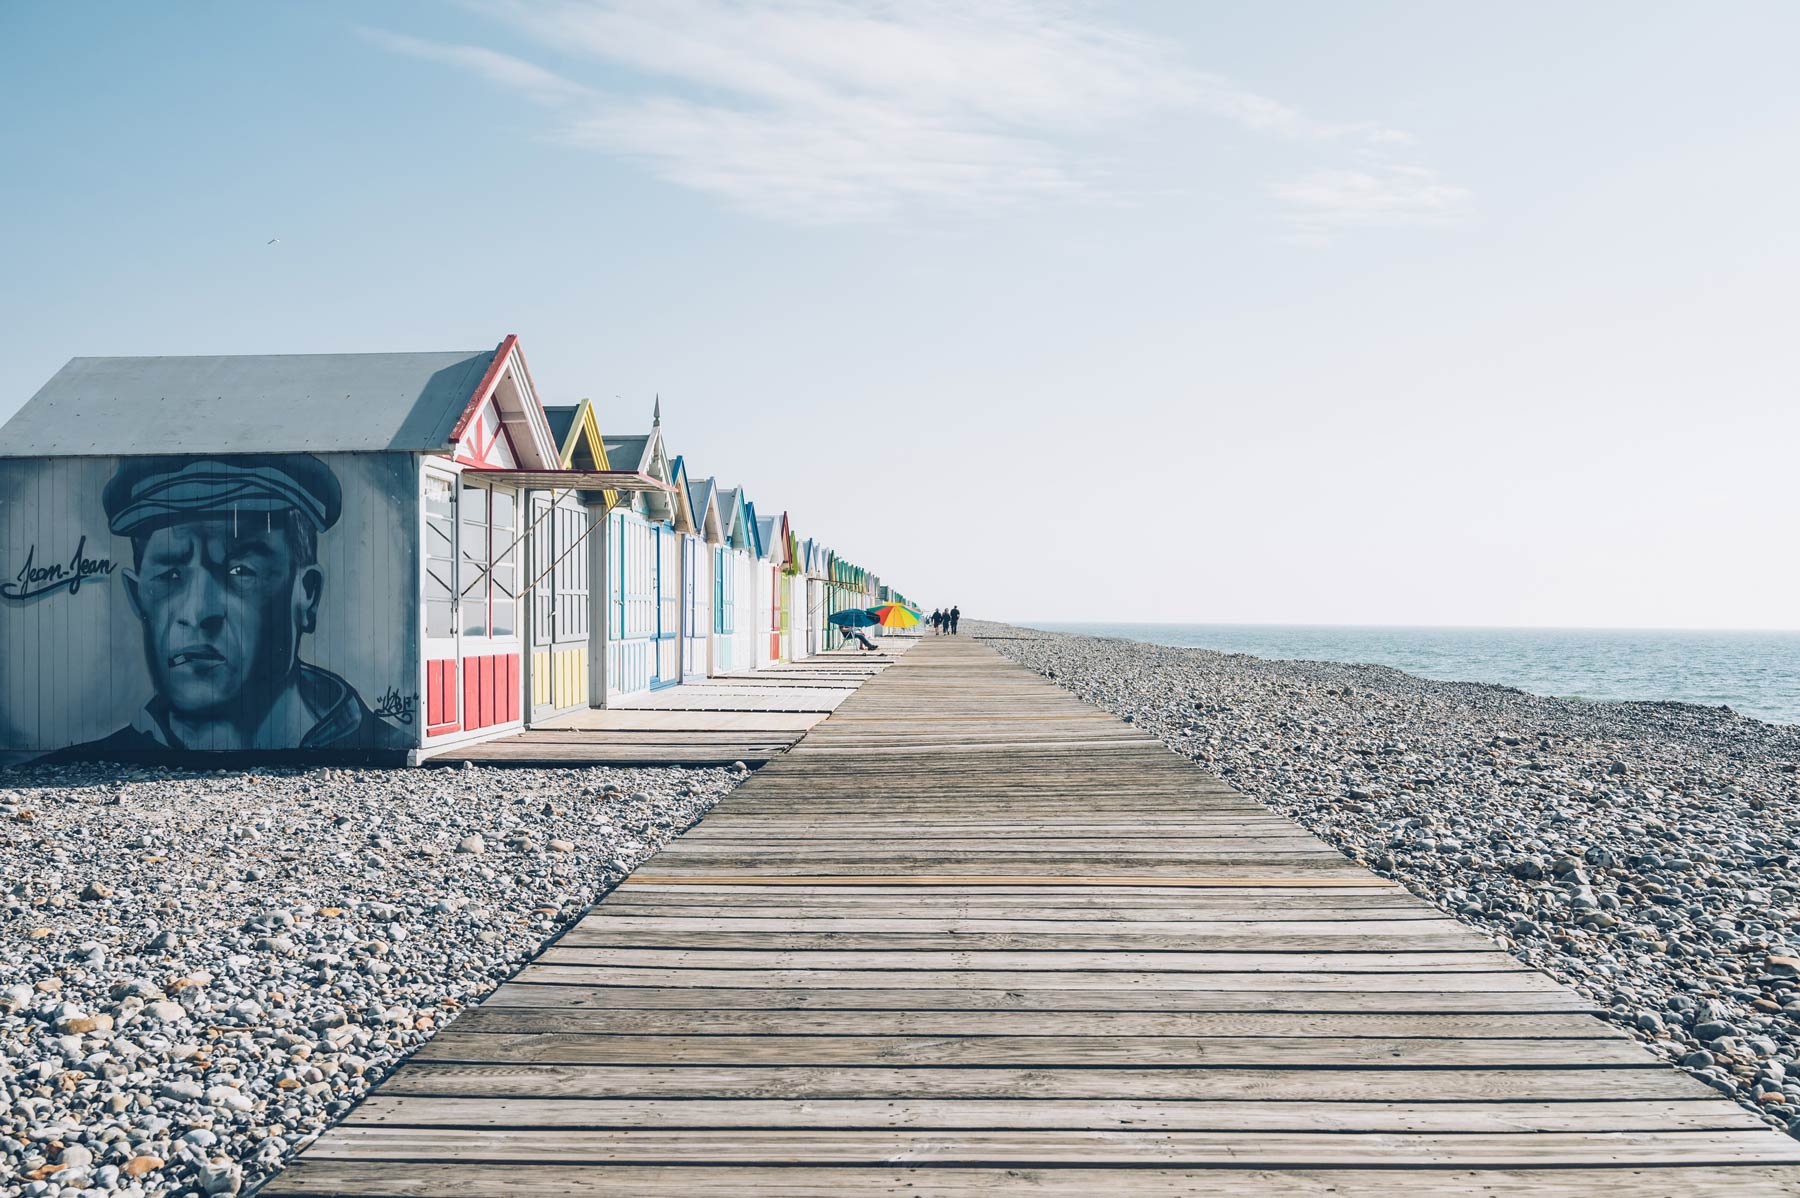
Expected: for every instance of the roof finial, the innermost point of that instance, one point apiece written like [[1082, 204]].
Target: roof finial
[[656, 417]]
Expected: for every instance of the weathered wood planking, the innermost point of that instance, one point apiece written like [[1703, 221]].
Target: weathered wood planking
[[423, 1179], [971, 937]]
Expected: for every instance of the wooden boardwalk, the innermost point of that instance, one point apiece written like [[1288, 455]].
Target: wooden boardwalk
[[750, 717], [975, 937]]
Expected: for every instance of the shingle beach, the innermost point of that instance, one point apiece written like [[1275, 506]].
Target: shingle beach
[[200, 970]]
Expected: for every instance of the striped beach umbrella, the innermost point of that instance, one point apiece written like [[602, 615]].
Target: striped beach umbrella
[[895, 615]]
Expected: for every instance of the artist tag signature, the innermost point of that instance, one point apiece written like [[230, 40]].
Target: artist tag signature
[[34, 579], [395, 706]]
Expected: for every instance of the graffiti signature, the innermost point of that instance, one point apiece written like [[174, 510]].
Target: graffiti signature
[[394, 706], [34, 580]]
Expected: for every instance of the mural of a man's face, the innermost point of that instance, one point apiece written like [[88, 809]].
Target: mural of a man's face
[[223, 609]]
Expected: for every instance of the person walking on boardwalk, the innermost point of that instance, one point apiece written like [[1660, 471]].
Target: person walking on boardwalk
[[955, 615], [937, 621]]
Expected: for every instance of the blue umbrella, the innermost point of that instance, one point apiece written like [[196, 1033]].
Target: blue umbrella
[[856, 617]]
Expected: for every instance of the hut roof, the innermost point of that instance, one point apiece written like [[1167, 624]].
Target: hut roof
[[562, 419], [259, 403], [627, 453]]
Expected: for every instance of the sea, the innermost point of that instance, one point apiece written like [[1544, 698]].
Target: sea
[[1754, 673]]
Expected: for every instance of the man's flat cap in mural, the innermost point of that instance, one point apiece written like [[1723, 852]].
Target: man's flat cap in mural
[[149, 492]]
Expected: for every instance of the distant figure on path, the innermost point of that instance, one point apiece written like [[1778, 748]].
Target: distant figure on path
[[937, 621], [955, 615]]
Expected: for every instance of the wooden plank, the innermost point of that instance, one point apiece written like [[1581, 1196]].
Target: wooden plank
[[1274, 1086], [1010, 1114], [1423, 949], [1270, 982], [1119, 930], [1485, 959], [1064, 1146], [493, 1017], [1307, 1052], [319, 1178], [545, 989], [954, 880]]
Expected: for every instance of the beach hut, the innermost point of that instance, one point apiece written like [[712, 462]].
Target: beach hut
[[793, 637], [698, 551], [643, 569], [768, 592], [566, 630], [812, 584], [734, 586], [318, 555]]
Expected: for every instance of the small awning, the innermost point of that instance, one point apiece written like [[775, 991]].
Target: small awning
[[578, 480]]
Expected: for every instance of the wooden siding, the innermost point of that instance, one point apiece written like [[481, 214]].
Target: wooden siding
[[632, 603], [443, 703], [559, 678], [562, 605], [697, 597], [75, 668], [735, 606], [490, 690]]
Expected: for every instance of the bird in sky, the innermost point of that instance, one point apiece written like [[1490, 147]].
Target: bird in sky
[[272, 241]]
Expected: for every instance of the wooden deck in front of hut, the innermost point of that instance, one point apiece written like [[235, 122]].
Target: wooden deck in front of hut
[[751, 717], [973, 936]]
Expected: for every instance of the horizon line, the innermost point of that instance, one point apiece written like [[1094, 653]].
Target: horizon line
[[1437, 627]]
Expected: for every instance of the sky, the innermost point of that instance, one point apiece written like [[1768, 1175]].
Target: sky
[[1309, 312]]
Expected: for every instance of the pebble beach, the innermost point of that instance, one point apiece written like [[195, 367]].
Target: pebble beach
[[1645, 854], [200, 970]]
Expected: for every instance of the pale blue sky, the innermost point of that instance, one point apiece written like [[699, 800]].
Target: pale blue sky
[[1317, 312]]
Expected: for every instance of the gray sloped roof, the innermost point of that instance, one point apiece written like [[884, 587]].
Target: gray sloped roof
[[562, 419], [625, 453], [728, 504], [700, 490], [263, 403]]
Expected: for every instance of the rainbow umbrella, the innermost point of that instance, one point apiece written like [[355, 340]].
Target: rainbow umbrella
[[895, 615]]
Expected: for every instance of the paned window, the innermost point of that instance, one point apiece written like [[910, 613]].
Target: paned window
[[473, 575], [503, 563], [440, 556], [489, 562]]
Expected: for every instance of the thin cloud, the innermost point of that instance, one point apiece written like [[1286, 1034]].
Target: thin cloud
[[840, 166], [831, 110], [515, 74], [1328, 201]]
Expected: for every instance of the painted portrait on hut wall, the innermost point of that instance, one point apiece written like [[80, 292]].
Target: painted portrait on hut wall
[[251, 602]]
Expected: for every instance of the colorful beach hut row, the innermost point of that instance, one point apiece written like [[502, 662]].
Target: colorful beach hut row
[[368, 555]]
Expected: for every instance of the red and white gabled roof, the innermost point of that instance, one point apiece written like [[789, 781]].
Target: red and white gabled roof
[[504, 427]]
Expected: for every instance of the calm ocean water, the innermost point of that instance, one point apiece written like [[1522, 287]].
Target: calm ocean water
[[1754, 673]]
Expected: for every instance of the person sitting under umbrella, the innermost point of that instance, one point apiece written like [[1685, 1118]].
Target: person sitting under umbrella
[[851, 623]]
